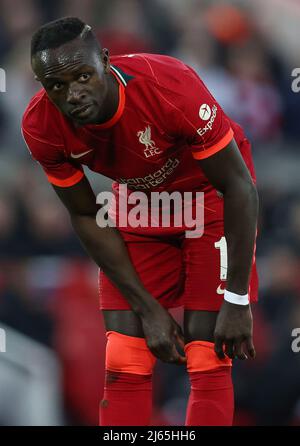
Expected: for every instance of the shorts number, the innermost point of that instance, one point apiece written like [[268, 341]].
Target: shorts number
[[222, 246]]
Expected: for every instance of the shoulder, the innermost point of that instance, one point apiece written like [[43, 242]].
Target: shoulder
[[41, 120], [164, 71], [162, 83], [147, 64]]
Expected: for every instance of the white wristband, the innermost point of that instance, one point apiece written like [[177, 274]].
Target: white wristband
[[236, 298]]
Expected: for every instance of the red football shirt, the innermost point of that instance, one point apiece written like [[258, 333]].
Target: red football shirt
[[166, 120]]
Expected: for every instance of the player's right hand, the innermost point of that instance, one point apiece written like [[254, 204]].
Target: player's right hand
[[162, 334]]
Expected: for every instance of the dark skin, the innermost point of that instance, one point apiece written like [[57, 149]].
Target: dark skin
[[78, 81], [75, 77]]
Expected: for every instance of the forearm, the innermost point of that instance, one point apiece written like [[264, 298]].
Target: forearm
[[108, 250], [240, 223]]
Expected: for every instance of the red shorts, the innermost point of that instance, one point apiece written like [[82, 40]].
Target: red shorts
[[176, 270]]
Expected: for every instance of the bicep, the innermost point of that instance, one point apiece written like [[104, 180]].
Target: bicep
[[226, 168], [65, 175], [78, 199]]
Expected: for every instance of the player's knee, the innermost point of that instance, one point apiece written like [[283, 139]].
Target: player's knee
[[128, 354], [201, 357]]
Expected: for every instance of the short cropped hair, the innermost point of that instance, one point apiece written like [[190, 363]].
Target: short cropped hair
[[56, 33]]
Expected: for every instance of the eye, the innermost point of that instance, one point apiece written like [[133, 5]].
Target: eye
[[57, 86], [84, 77]]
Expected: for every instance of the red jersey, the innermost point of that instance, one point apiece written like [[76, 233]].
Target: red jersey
[[165, 121]]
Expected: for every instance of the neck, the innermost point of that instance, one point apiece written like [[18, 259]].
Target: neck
[[111, 101]]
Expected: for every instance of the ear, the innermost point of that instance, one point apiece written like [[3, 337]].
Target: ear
[[105, 60]]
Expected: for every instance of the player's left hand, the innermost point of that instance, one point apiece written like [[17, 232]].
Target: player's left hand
[[234, 331]]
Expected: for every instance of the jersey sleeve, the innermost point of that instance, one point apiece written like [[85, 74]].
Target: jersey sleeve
[[203, 123], [51, 156]]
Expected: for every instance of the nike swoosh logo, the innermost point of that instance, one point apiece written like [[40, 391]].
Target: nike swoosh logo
[[79, 155], [220, 290]]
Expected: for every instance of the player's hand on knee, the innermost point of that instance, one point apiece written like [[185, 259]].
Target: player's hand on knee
[[234, 332], [163, 334]]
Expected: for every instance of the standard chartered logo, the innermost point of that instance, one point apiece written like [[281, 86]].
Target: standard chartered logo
[[2, 81], [153, 179]]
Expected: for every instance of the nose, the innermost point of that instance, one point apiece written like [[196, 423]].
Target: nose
[[75, 95]]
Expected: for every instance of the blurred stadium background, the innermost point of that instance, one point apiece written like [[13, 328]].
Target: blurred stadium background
[[52, 371]]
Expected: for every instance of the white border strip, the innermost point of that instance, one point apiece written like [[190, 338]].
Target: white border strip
[[119, 75]]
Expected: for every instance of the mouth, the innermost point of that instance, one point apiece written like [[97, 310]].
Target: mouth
[[82, 111]]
